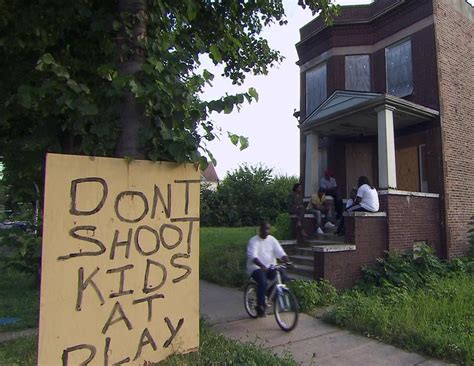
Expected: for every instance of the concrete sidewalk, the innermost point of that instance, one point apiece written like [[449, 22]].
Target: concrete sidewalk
[[313, 342]]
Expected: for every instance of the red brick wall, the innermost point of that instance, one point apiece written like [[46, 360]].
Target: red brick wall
[[454, 35], [343, 269], [411, 219]]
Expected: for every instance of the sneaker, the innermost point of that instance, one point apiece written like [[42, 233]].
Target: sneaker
[[319, 231], [329, 225], [260, 312]]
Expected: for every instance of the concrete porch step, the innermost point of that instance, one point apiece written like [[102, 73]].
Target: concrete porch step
[[301, 270], [306, 260], [300, 277]]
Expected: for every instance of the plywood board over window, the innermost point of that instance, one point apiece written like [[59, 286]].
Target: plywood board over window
[[399, 69], [359, 161], [408, 170], [357, 74], [316, 87]]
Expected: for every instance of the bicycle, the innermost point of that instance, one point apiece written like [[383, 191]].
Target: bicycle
[[285, 305]]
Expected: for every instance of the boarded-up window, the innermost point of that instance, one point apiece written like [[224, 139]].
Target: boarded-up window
[[316, 90], [358, 73], [399, 69]]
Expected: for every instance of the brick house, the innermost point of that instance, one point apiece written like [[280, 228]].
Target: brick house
[[387, 92]]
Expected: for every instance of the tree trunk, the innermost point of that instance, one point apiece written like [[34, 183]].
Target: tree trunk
[[131, 114]]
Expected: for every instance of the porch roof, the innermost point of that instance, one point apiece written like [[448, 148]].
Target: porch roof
[[348, 113]]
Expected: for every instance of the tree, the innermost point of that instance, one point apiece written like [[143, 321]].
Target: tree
[[109, 78]]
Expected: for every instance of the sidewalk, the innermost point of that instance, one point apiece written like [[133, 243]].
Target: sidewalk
[[313, 342]]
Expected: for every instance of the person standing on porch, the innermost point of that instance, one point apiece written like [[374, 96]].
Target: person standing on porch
[[367, 200]]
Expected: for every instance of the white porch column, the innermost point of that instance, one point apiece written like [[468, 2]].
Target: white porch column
[[311, 164], [386, 147]]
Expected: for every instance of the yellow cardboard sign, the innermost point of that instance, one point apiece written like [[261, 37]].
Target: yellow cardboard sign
[[120, 282]]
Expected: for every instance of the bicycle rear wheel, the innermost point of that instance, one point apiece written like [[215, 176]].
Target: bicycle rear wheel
[[286, 310], [250, 299]]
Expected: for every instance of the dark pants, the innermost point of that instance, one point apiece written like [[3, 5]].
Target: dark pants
[[341, 229], [262, 278], [338, 204]]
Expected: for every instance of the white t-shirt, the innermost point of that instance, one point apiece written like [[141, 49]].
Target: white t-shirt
[[266, 250], [369, 198]]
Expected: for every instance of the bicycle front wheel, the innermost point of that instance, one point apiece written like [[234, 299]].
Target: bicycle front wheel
[[250, 299], [286, 310]]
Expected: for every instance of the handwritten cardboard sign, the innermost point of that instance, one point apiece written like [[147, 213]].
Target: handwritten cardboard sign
[[120, 280]]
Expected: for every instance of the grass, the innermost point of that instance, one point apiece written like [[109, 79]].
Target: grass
[[218, 350], [214, 350], [19, 298], [223, 254], [20, 352], [437, 320]]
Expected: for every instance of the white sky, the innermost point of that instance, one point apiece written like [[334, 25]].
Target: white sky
[[269, 124]]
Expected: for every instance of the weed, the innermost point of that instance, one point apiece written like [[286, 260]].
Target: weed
[[312, 294]]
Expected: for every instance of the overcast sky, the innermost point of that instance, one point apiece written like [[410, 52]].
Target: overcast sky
[[269, 124]]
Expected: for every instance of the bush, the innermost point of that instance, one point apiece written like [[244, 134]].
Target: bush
[[21, 251], [406, 270], [312, 294], [282, 230], [245, 197]]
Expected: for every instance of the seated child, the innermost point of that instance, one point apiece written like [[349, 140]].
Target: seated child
[[319, 204]]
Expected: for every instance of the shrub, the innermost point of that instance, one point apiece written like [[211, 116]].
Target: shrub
[[312, 294], [406, 270], [21, 251], [245, 197], [282, 229]]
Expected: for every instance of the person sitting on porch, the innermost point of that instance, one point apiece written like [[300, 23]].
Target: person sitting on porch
[[296, 208], [317, 205], [329, 184], [367, 199], [352, 197]]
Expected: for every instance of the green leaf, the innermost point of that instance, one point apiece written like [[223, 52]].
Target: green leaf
[[191, 10], [233, 138], [216, 54], [24, 96], [253, 93], [74, 86], [244, 142], [228, 106], [87, 108]]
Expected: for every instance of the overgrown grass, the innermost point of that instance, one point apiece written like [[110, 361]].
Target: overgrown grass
[[214, 350], [19, 298], [421, 304], [218, 350], [223, 254], [20, 352]]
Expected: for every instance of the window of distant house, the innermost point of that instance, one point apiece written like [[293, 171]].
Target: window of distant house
[[316, 89], [399, 69], [358, 73]]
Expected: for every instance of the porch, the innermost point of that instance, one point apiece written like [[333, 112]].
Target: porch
[[395, 143]]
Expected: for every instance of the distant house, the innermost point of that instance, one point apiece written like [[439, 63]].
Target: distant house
[[210, 177], [388, 92]]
